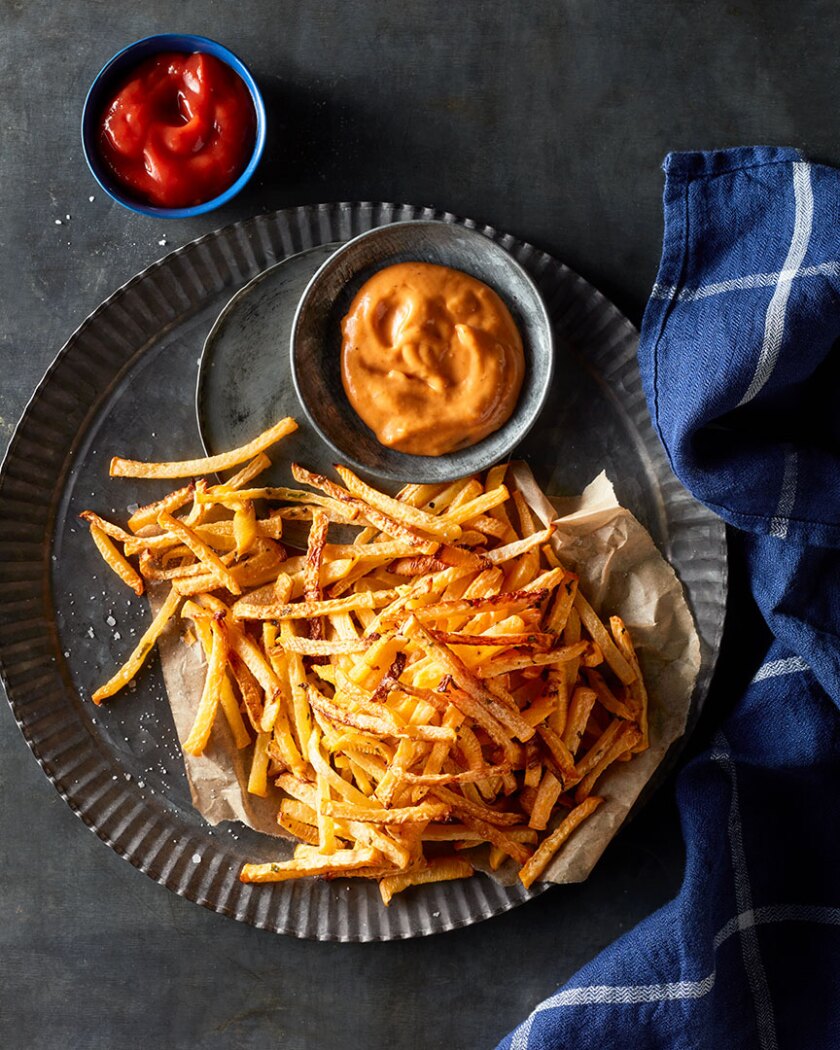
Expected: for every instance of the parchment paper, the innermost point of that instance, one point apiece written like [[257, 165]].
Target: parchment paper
[[621, 572]]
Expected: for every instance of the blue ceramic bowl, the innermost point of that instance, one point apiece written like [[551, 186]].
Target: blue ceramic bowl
[[101, 91]]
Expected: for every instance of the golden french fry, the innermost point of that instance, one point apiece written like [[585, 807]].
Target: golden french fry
[[129, 468], [439, 869], [620, 667], [133, 664], [311, 864], [205, 554], [397, 509], [537, 864], [210, 696], [637, 687], [115, 560], [148, 515], [626, 740]]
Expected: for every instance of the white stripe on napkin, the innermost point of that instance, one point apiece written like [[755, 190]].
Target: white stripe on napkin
[[776, 668], [634, 994], [779, 521], [757, 978], [774, 321], [740, 284]]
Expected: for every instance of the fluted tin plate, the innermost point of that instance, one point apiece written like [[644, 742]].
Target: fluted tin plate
[[124, 383]]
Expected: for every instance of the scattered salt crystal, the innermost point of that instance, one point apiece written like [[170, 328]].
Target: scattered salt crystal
[[67, 652], [162, 241], [117, 636], [132, 507], [67, 217], [110, 621], [141, 783], [91, 633], [58, 222], [196, 858], [91, 199], [127, 776]]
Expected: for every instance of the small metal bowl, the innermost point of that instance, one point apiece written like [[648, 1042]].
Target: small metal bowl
[[316, 345], [107, 80]]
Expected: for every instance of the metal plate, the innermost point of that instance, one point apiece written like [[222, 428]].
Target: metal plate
[[124, 382]]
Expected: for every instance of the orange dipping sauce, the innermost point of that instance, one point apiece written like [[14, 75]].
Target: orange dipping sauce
[[431, 358]]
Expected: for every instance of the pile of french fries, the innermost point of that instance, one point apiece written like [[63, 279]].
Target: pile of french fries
[[437, 684]]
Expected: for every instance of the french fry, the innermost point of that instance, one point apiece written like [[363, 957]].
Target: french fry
[[440, 869], [244, 527], [148, 515], [133, 664], [548, 792], [210, 696], [637, 687], [536, 865], [626, 740], [583, 700], [425, 811], [258, 779], [399, 510], [205, 554], [618, 664], [116, 561], [129, 468], [311, 864], [245, 609]]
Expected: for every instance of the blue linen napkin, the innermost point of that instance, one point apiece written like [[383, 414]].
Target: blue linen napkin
[[740, 359]]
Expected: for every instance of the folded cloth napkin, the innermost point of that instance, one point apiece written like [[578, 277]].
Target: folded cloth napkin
[[740, 361]]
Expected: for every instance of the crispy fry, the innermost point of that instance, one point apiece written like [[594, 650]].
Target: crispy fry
[[311, 864], [537, 864], [116, 561], [625, 741], [244, 527], [245, 609], [583, 700], [637, 687], [397, 509], [148, 515], [210, 696], [328, 647], [129, 468], [439, 869], [548, 792], [257, 779], [133, 664], [620, 667], [200, 549], [425, 811]]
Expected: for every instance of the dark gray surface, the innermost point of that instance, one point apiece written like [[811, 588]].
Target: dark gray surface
[[545, 119]]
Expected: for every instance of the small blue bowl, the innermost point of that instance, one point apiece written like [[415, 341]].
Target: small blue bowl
[[101, 91]]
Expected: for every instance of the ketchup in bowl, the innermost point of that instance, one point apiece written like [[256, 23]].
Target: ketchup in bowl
[[179, 131]]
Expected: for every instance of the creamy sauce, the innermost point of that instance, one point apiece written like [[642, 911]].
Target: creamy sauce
[[431, 358]]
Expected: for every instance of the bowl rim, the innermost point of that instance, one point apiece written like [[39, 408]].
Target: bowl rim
[[529, 421], [186, 43]]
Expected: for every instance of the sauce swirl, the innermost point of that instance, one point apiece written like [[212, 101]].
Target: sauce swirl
[[179, 131], [431, 359]]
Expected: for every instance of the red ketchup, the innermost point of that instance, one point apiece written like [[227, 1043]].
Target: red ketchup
[[179, 131]]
